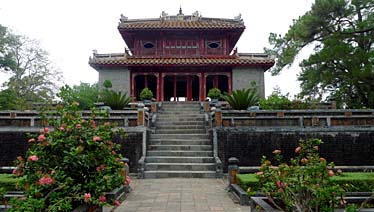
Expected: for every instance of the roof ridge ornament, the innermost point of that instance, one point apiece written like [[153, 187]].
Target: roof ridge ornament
[[239, 18], [180, 10], [123, 18]]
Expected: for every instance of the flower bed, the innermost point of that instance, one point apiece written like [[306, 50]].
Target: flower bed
[[350, 181]]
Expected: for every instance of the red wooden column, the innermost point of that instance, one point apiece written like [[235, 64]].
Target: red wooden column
[[158, 80], [202, 86], [189, 91], [229, 81], [132, 84], [175, 88], [162, 86]]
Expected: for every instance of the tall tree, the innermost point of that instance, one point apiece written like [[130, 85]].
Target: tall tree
[[32, 77], [342, 64]]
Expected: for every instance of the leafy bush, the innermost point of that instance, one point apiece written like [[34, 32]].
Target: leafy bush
[[276, 101], [74, 163], [146, 94], [303, 185], [214, 93], [242, 99], [115, 100], [107, 84], [85, 94], [9, 182]]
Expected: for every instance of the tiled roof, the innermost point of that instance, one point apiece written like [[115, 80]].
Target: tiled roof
[[200, 24], [100, 61]]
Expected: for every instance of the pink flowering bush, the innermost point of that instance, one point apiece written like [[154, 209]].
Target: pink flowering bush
[[303, 184], [74, 162]]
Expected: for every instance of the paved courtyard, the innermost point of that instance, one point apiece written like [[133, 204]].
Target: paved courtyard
[[179, 194]]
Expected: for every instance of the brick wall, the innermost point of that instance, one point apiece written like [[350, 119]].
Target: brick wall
[[13, 144], [342, 146]]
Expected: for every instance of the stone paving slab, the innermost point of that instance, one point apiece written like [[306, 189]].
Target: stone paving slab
[[179, 195]]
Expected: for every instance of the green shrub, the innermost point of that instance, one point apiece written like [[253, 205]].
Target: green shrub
[[107, 84], [146, 94], [242, 99], [9, 182], [305, 183], [85, 94], [115, 100], [75, 163], [214, 93]]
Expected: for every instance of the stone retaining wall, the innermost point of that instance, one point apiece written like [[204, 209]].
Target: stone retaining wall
[[13, 143], [344, 146]]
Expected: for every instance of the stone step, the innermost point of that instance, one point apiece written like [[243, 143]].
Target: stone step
[[178, 118], [180, 167], [179, 127], [183, 123], [181, 111], [164, 159], [180, 153], [179, 136], [179, 174], [180, 147], [163, 141], [180, 131]]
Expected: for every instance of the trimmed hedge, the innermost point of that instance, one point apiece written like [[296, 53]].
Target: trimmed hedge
[[350, 181], [8, 182]]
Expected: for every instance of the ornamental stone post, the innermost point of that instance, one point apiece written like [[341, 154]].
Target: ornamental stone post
[[233, 170], [141, 111]]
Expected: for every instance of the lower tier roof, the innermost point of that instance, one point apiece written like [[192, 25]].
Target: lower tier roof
[[121, 60]]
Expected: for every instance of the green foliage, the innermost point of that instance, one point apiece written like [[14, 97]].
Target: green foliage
[[84, 93], [32, 78], [107, 84], [8, 99], [214, 93], [305, 183], [341, 67], [8, 182], [242, 99], [276, 101], [146, 94], [115, 100], [75, 163]]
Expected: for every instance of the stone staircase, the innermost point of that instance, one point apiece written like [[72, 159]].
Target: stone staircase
[[180, 147]]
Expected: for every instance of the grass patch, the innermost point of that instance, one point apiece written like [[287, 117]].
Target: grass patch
[[8, 182], [350, 181]]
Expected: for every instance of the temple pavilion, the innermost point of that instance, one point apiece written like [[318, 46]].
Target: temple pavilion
[[181, 57]]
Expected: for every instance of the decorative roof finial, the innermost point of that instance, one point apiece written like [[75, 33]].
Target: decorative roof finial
[[180, 10]]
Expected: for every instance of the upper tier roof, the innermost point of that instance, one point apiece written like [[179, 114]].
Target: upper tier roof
[[180, 21]]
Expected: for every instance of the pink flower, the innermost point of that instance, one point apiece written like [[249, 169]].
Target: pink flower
[[98, 169], [279, 183], [260, 173], [117, 203], [61, 128], [14, 171], [322, 159], [304, 161], [44, 130], [31, 140], [280, 190], [78, 126], [87, 197], [331, 173], [102, 199], [298, 149], [84, 121], [128, 180], [277, 151], [33, 158], [46, 180], [41, 137], [96, 138]]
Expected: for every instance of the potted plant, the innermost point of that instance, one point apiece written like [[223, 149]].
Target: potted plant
[[146, 95], [214, 94]]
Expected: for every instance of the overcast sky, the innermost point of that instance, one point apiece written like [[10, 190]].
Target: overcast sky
[[69, 30]]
